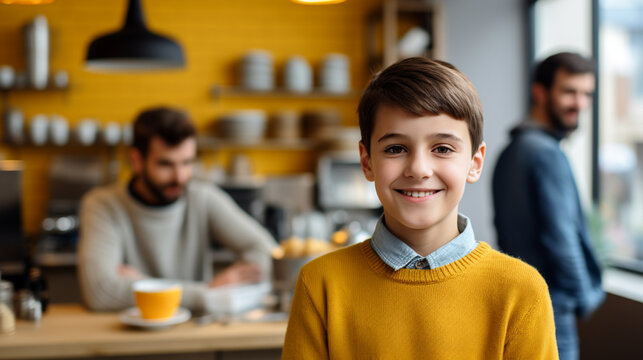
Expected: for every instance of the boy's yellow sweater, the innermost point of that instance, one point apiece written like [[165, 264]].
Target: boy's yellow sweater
[[350, 305]]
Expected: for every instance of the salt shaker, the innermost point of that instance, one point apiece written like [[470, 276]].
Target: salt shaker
[[7, 317], [29, 308]]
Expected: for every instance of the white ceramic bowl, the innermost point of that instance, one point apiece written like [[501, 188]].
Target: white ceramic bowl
[[243, 125], [336, 61], [258, 57]]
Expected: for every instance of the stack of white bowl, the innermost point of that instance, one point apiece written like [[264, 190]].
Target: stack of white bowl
[[257, 72], [335, 74], [245, 126], [298, 75]]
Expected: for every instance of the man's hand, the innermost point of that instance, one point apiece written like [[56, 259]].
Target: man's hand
[[129, 271], [237, 273]]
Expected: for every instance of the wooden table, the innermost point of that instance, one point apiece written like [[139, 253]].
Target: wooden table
[[68, 331]]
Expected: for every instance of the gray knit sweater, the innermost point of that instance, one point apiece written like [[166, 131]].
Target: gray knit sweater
[[162, 242]]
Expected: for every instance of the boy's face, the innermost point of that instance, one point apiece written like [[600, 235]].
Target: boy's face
[[420, 165]]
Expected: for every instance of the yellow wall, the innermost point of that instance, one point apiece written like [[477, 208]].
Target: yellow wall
[[214, 33]]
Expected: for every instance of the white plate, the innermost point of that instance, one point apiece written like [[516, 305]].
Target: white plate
[[132, 316]]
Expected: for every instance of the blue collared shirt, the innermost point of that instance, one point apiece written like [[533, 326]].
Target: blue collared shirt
[[396, 254]]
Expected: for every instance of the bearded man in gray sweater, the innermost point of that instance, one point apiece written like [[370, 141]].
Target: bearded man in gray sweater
[[161, 224]]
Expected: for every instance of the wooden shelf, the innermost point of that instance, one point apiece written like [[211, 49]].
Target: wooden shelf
[[384, 26], [213, 143], [218, 92], [30, 88], [72, 145], [4, 93]]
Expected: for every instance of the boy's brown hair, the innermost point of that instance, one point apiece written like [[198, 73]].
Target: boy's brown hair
[[422, 86]]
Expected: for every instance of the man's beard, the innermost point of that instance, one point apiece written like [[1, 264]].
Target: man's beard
[[557, 121], [157, 190]]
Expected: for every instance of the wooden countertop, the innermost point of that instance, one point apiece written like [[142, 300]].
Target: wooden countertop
[[72, 331]]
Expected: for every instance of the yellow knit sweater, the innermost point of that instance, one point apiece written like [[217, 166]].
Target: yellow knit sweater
[[350, 305]]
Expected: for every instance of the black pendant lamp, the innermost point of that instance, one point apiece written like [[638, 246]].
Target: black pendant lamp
[[133, 48]]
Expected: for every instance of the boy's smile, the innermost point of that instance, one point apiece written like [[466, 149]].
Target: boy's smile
[[418, 195], [420, 165]]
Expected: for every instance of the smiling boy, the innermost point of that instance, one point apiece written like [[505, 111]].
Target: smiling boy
[[422, 286]]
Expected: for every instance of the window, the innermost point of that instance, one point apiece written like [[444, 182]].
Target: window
[[609, 165], [620, 159]]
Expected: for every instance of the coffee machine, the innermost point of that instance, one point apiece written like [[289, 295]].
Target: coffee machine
[[70, 177], [349, 201]]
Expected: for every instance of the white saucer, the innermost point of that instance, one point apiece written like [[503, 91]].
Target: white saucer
[[132, 316]]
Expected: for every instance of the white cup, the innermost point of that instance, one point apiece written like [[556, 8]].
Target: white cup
[[38, 129], [127, 134], [14, 122], [86, 131], [60, 79], [58, 130], [7, 77], [111, 133]]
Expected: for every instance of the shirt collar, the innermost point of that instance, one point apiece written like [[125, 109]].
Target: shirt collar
[[531, 124], [396, 254]]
